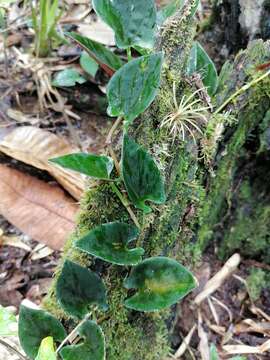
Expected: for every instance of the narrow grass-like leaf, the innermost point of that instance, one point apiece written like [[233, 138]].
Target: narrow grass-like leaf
[[133, 21], [195, 8], [92, 347], [68, 77], [89, 65], [107, 60], [141, 176], [200, 62], [133, 88], [78, 288], [169, 10], [8, 322], [46, 350], [160, 281], [97, 166], [110, 243], [36, 325]]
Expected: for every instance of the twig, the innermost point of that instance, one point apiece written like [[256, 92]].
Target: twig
[[73, 332], [185, 343], [11, 348]]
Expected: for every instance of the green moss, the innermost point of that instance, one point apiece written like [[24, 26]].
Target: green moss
[[256, 282]]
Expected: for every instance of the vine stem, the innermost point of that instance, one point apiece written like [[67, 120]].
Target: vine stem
[[109, 143], [241, 91], [73, 332], [11, 348], [129, 56]]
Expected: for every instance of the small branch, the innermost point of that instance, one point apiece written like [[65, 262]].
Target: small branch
[[241, 91], [73, 332], [11, 348]]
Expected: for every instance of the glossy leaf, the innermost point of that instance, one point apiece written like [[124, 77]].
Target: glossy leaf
[[46, 350], [133, 21], [92, 347], [141, 176], [103, 56], [97, 166], [78, 288], [68, 77], [36, 325], [200, 62], [160, 281], [8, 322], [133, 88], [110, 243], [169, 10], [88, 64]]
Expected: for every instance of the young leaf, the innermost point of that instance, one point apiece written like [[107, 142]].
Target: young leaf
[[213, 353], [36, 325], [133, 88], [133, 21], [169, 10], [97, 166], [89, 65], [107, 60], [161, 282], [92, 347], [78, 288], [110, 243], [46, 350], [141, 176], [8, 322], [200, 62], [68, 77]]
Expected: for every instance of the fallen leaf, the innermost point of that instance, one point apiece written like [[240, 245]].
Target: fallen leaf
[[38, 209], [40, 252], [98, 31], [14, 241], [35, 146]]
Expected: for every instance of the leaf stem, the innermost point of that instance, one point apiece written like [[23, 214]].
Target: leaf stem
[[73, 332], [11, 348], [109, 143], [125, 202], [241, 91]]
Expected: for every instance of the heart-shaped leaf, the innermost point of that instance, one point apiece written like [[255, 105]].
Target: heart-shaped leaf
[[97, 166], [161, 282], [133, 21], [133, 88], [68, 77], [92, 347], [200, 62], [141, 175], [46, 350], [169, 10], [110, 243], [107, 60], [88, 64], [8, 322], [36, 325], [78, 288]]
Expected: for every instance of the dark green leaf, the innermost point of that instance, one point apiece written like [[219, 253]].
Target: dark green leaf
[[169, 10], [78, 288], [141, 176], [133, 21], [161, 282], [133, 88], [36, 325], [8, 322], [99, 167], [89, 65], [68, 77], [46, 350], [200, 62], [103, 56], [110, 243], [92, 348]]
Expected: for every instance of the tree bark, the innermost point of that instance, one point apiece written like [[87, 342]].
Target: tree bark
[[201, 179]]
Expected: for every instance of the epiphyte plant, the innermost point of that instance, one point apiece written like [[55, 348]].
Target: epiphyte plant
[[157, 282]]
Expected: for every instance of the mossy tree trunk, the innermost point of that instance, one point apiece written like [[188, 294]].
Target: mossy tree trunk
[[199, 177]]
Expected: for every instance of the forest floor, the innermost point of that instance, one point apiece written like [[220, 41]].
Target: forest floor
[[235, 314]]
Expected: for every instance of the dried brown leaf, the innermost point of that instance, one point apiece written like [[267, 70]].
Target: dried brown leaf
[[35, 146], [40, 210]]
